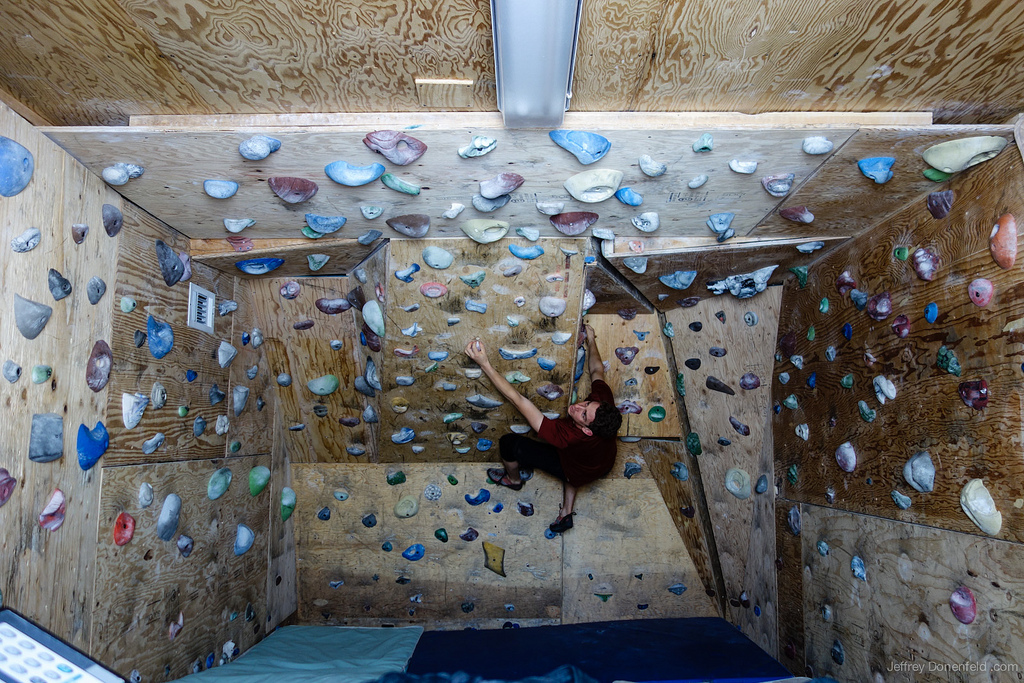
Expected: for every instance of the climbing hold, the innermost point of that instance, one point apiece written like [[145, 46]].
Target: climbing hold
[[167, 522], [680, 279], [816, 144], [484, 230], [494, 558], [414, 552], [1002, 241], [749, 381], [16, 167], [977, 502], [878, 169], [803, 431], [258, 147], [778, 185], [762, 484], [693, 444], [26, 241], [705, 143], [90, 445], [963, 605], [879, 307], [902, 502], [741, 429], [720, 224], [980, 291], [974, 394], [124, 528], [41, 373], [225, 354], [258, 266], [801, 275], [925, 263], [585, 146], [845, 282], [743, 166], [259, 477], [78, 232], [939, 203], [30, 317], [218, 484], [793, 520], [866, 413], [656, 414], [593, 186], [244, 538], [407, 506], [626, 354], [629, 196], [478, 146], [324, 514], [52, 516], [947, 360], [737, 482], [481, 497], [884, 389], [953, 156], [797, 214], [501, 184], [716, 384], [321, 386]]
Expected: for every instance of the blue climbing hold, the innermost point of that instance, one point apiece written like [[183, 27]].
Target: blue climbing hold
[[325, 225], [812, 380], [677, 588], [641, 335], [848, 331], [484, 444], [757, 610], [386, 546], [370, 521], [546, 363], [509, 354], [405, 275], [878, 169], [414, 552], [586, 147], [190, 375], [526, 253], [777, 407], [160, 336], [629, 196], [680, 471], [16, 166], [931, 312], [480, 498], [345, 173], [548, 533], [324, 514], [259, 266], [498, 507], [631, 469], [91, 444], [246, 339]]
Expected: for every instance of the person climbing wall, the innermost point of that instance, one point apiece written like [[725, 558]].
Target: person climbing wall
[[576, 449]]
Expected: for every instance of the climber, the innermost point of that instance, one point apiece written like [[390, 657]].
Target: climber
[[576, 449]]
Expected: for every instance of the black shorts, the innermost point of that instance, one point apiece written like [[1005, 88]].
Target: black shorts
[[527, 452]]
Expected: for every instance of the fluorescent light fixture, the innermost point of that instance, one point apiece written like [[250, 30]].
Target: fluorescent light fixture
[[534, 57]]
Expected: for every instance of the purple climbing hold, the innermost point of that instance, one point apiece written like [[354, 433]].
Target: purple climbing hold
[[750, 381], [717, 351], [626, 354], [741, 428]]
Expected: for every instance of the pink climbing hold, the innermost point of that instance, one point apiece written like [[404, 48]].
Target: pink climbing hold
[[963, 605], [974, 394], [845, 282], [433, 290], [797, 214], [626, 354], [846, 457], [901, 326], [925, 263], [395, 146], [880, 306], [980, 291], [52, 515], [7, 484]]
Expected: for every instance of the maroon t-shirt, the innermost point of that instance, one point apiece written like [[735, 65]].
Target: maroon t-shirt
[[584, 458]]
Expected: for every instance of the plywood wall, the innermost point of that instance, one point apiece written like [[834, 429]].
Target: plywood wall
[[927, 413], [47, 575], [99, 63], [441, 390], [136, 369], [618, 561], [742, 525], [147, 584], [914, 557]]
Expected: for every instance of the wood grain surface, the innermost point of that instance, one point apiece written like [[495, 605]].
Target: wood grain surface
[[742, 527], [901, 616], [143, 586], [343, 255], [135, 369], [253, 428], [47, 575], [927, 413], [612, 292]]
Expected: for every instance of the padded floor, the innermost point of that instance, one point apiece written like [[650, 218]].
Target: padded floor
[[696, 649]]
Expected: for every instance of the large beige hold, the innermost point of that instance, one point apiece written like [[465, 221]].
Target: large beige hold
[[594, 186], [956, 155], [978, 504]]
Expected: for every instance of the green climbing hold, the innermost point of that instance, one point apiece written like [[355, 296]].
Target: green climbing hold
[[669, 331], [680, 384], [604, 596], [936, 175], [947, 361], [452, 480], [235, 446], [441, 535], [656, 414], [452, 417], [810, 333], [324, 386], [395, 478], [397, 184], [259, 477], [901, 253], [790, 402], [801, 274], [407, 506], [432, 367], [287, 503], [847, 381], [693, 444], [792, 474], [41, 373], [866, 413], [823, 306], [182, 411], [218, 484], [311, 233]]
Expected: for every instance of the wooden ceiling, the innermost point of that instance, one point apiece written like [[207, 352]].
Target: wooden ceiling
[[100, 62]]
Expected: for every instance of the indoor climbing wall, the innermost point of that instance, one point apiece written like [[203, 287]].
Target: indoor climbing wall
[[58, 258], [185, 585], [521, 298], [722, 349], [897, 395], [632, 346], [313, 343], [440, 545]]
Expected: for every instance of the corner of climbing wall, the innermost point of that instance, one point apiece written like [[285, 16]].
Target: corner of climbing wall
[[897, 422]]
